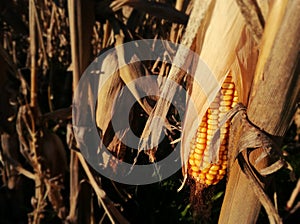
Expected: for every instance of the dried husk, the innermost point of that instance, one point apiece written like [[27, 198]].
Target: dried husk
[[221, 40]]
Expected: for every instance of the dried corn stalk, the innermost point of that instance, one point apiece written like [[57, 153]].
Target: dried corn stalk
[[277, 60]]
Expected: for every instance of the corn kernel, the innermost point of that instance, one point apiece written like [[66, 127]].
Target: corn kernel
[[213, 172], [197, 156], [210, 176], [195, 168], [208, 182], [222, 172], [215, 167]]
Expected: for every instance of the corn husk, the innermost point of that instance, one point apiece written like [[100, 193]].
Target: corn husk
[[218, 53]]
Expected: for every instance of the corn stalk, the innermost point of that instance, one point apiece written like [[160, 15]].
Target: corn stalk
[[81, 15], [39, 194], [81, 27], [270, 110], [76, 75]]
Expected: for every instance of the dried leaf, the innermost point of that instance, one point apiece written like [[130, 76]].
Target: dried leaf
[[130, 72], [244, 67], [253, 17], [154, 127], [158, 9], [108, 92]]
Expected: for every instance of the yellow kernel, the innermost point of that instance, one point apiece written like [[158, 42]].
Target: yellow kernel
[[200, 147], [222, 172], [227, 91], [208, 182], [213, 116], [202, 176], [201, 135], [199, 152], [225, 103], [202, 125], [212, 111], [220, 176], [224, 108], [191, 162], [194, 173], [215, 167], [206, 169], [210, 132], [202, 129], [222, 113], [201, 140], [195, 176], [226, 98], [195, 168], [209, 176], [224, 166], [212, 126], [197, 156], [213, 122], [213, 172], [197, 162], [228, 85]]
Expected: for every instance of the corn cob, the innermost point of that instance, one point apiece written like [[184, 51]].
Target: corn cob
[[199, 166]]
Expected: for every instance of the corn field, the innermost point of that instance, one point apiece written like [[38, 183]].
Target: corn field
[[238, 141]]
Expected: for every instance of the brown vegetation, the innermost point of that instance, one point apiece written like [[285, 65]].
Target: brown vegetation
[[46, 46]]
